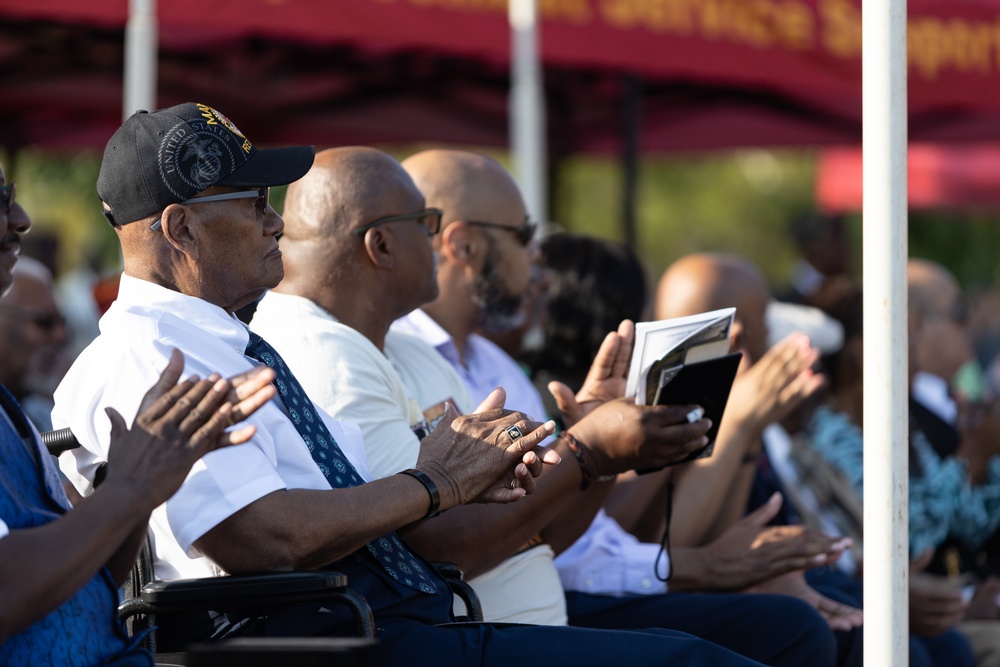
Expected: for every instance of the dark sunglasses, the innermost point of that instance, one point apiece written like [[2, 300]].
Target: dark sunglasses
[[428, 217], [7, 196], [524, 233], [263, 196], [41, 319]]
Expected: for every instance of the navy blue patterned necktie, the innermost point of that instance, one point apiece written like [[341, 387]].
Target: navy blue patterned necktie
[[394, 557]]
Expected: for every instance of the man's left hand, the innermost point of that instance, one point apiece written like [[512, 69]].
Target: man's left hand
[[605, 380]]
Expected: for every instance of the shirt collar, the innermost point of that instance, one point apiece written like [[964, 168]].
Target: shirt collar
[[422, 325], [181, 310]]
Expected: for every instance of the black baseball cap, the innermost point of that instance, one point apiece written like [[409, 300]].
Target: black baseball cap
[[164, 157]]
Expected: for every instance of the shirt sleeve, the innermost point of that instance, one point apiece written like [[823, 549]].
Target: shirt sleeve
[[978, 518], [935, 497], [841, 443], [4, 531], [607, 560]]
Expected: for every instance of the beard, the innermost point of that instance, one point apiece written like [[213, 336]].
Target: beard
[[499, 310]]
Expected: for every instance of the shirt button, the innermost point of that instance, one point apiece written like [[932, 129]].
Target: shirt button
[[590, 582], [647, 583]]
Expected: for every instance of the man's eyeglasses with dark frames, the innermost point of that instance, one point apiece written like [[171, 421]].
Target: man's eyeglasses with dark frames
[[430, 217], [263, 196], [524, 233], [7, 197]]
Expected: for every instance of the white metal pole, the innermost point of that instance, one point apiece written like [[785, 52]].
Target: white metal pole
[[886, 520], [141, 47], [527, 109]]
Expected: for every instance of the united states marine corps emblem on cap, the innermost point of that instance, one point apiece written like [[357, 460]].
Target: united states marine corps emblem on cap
[[225, 121], [170, 155], [197, 153]]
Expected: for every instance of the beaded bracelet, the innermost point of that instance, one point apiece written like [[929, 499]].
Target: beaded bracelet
[[431, 488], [579, 452]]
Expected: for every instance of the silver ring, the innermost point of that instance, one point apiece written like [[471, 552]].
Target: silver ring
[[514, 484], [514, 433]]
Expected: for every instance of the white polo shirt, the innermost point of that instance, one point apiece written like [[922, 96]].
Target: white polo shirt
[[137, 335], [390, 395]]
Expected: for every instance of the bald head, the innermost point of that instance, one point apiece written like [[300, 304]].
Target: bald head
[[702, 282], [466, 186], [932, 289], [697, 283], [485, 259], [30, 324], [346, 190], [939, 338]]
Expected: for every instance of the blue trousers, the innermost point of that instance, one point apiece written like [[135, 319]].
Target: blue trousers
[[950, 649], [773, 629], [410, 642], [413, 630]]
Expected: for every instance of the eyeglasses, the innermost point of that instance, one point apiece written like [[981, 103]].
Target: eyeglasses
[[263, 196], [430, 218], [7, 196], [41, 319], [957, 312], [524, 233]]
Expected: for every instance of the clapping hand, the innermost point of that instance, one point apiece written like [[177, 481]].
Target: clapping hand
[[178, 423]]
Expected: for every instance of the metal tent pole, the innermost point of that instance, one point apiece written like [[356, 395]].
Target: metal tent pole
[[885, 369], [141, 45], [527, 109]]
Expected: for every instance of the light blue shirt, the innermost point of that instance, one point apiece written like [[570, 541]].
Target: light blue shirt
[[606, 560]]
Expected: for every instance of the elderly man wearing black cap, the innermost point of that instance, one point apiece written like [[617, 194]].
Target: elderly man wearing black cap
[[58, 567], [186, 193]]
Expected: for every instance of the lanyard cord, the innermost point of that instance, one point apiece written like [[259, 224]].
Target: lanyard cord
[[665, 542]]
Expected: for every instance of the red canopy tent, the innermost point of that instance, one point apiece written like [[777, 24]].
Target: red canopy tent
[[713, 73], [956, 177]]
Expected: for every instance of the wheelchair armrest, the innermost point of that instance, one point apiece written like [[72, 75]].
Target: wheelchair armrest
[[59, 441], [453, 574], [222, 593]]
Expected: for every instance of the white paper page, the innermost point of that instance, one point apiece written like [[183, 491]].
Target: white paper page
[[653, 340]]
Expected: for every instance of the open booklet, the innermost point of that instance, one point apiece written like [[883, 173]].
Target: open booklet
[[685, 360]]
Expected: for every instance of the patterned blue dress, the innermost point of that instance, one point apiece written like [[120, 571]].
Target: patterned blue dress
[[84, 630], [942, 501]]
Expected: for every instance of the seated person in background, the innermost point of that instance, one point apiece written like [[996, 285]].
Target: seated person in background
[[943, 499], [824, 252], [31, 323], [347, 190], [187, 195], [484, 265], [59, 567]]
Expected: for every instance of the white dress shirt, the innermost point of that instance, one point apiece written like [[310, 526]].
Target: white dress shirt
[[137, 335], [606, 560], [391, 396], [932, 392]]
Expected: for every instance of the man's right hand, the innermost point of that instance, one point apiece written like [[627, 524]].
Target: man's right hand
[[936, 603], [751, 552], [772, 388], [177, 424], [621, 436], [474, 459]]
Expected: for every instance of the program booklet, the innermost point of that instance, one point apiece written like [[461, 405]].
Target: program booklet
[[685, 360]]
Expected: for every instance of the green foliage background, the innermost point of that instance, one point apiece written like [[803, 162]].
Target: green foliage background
[[732, 201]]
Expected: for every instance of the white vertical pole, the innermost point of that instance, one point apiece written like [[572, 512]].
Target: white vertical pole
[[141, 46], [886, 523], [527, 109]]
